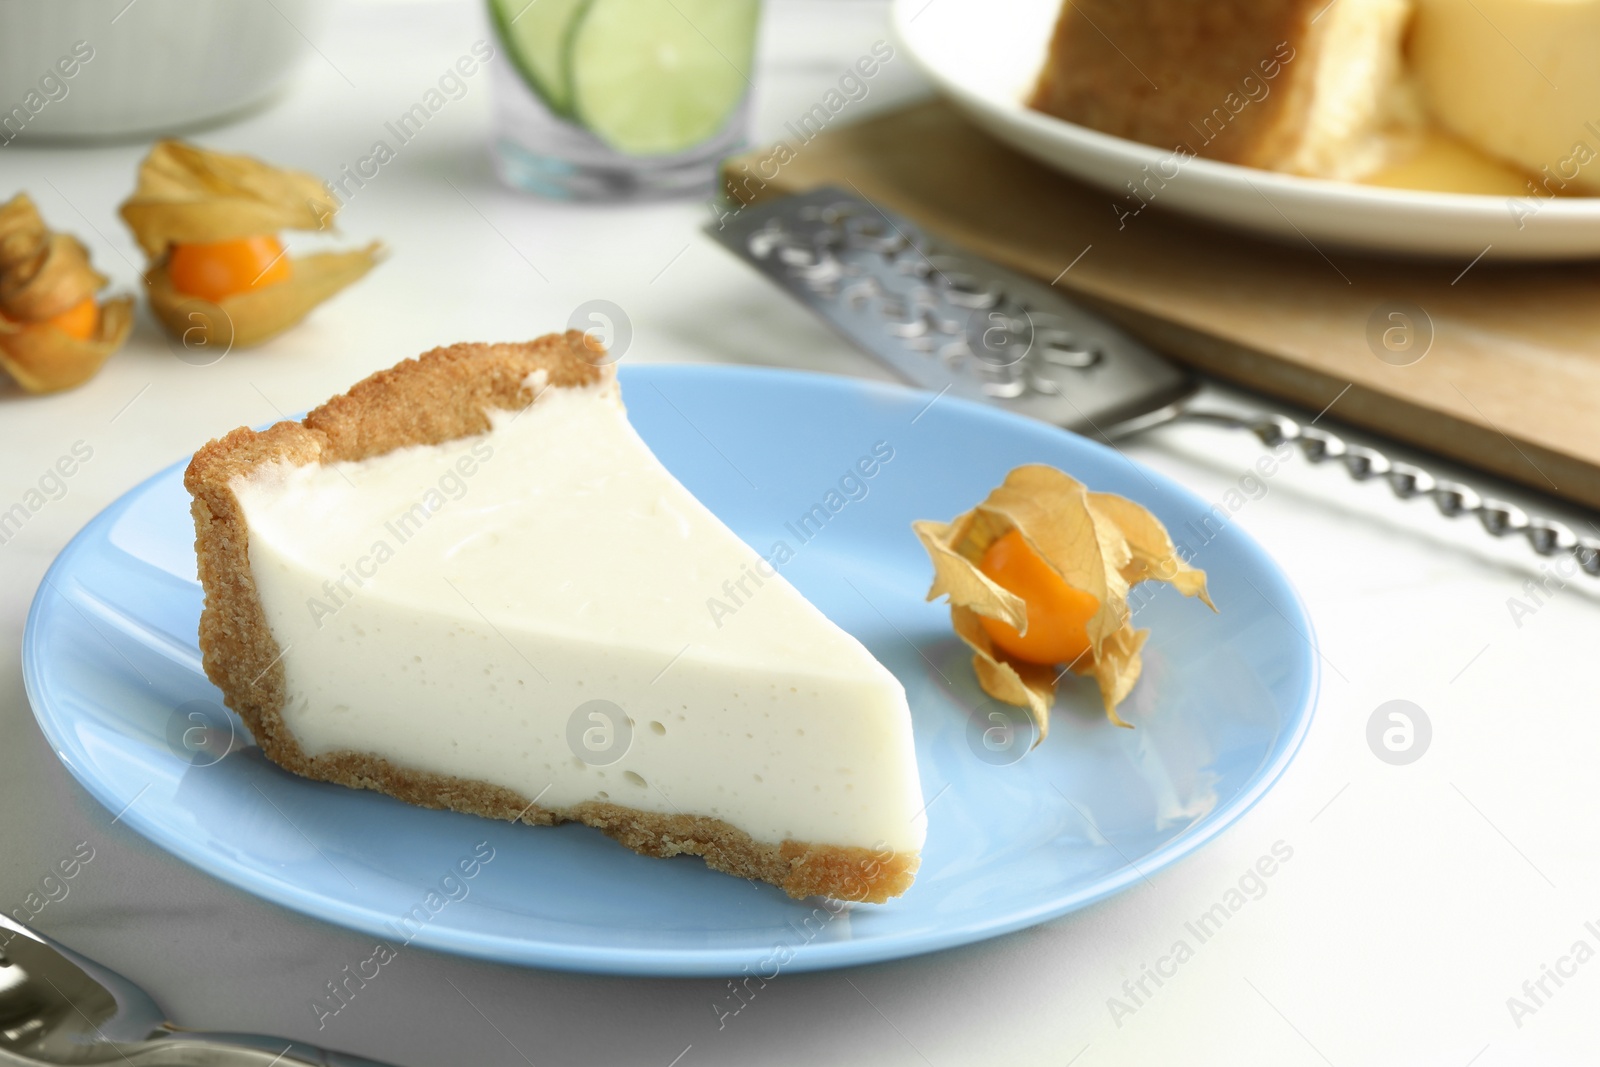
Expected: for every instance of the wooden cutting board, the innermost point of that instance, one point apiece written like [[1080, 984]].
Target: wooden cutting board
[[1511, 383]]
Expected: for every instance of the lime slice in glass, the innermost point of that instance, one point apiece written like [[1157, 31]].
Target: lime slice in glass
[[655, 77], [535, 33]]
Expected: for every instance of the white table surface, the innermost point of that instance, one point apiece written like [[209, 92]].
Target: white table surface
[[1418, 900]]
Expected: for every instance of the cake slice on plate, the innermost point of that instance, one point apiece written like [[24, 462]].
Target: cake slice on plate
[[469, 584], [1312, 87]]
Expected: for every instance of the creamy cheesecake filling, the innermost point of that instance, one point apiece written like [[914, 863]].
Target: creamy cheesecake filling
[[1519, 79], [529, 607]]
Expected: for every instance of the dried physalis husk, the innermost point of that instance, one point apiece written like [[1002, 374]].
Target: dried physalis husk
[[188, 195], [1096, 542], [256, 315], [43, 275]]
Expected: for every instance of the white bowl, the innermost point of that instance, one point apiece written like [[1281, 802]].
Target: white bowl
[[146, 67]]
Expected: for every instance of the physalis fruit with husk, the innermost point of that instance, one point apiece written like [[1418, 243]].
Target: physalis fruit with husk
[[53, 333], [209, 223], [1038, 577]]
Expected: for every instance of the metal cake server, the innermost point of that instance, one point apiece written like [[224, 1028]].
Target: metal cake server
[[56, 1007]]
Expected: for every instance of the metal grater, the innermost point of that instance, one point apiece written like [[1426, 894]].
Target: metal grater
[[951, 322], [948, 321]]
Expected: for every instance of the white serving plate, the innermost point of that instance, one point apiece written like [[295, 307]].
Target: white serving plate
[[984, 55]]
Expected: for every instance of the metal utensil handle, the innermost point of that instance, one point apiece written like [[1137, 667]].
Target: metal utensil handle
[[1500, 518], [231, 1050]]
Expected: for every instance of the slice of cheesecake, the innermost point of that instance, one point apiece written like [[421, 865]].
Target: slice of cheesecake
[[1312, 87], [469, 584]]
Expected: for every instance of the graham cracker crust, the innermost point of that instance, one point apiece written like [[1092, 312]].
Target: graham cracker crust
[[437, 397], [1151, 70]]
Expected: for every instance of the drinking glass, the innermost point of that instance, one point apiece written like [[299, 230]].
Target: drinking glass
[[620, 99]]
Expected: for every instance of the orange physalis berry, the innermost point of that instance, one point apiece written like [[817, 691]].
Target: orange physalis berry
[[221, 269], [1058, 614]]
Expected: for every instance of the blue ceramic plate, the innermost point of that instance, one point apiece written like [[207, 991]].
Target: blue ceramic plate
[[1015, 836]]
